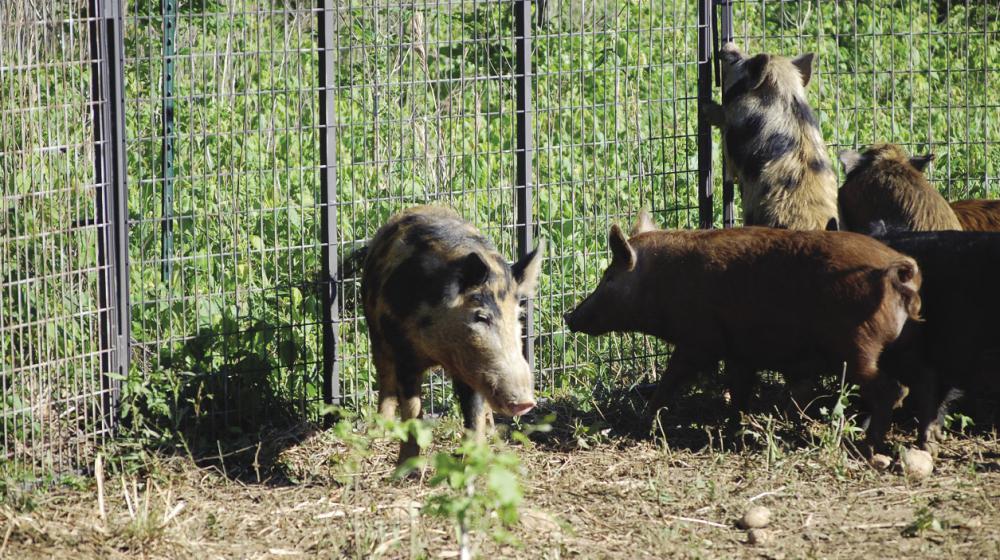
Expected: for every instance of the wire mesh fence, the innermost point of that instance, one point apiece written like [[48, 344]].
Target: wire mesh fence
[[224, 164], [431, 121], [616, 127], [266, 141], [56, 327]]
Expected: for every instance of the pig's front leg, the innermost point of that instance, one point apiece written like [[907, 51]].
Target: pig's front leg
[[683, 366], [476, 413]]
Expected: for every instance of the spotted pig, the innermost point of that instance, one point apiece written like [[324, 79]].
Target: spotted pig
[[437, 293], [773, 143]]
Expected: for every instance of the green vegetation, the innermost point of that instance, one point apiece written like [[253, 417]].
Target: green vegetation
[[425, 102]]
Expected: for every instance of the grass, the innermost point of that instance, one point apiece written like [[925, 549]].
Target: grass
[[333, 493]]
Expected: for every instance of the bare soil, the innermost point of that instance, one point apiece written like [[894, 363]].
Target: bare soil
[[589, 491]]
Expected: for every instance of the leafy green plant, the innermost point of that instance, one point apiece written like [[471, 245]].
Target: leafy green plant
[[958, 421], [476, 484], [925, 520], [839, 425]]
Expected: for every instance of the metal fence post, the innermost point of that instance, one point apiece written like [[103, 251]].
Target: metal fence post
[[167, 243], [328, 188], [705, 57], [725, 34], [524, 153], [106, 46]]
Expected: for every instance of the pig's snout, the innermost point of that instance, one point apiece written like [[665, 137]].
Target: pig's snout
[[579, 320], [568, 319], [521, 408]]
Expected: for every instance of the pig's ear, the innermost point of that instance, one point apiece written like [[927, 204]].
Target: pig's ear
[[527, 270], [804, 62], [472, 271], [643, 224], [730, 53], [921, 162], [621, 252], [755, 70], [849, 159]]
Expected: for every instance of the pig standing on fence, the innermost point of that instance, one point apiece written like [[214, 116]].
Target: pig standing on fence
[[956, 346], [978, 215], [758, 298], [437, 293], [884, 183], [773, 143]]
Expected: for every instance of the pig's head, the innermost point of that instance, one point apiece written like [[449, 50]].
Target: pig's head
[[479, 329], [611, 307], [881, 154], [762, 74]]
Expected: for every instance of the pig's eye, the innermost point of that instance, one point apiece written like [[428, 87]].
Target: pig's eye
[[484, 319]]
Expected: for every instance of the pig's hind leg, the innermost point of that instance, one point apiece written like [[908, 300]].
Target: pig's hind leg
[[388, 391], [880, 394]]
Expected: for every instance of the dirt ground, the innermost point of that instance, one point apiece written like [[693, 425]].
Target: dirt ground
[[590, 491]]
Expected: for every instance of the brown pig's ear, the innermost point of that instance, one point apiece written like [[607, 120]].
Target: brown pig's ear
[[849, 159], [643, 224], [804, 62], [921, 162], [621, 252]]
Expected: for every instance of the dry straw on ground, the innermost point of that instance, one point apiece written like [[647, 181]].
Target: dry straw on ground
[[606, 497]]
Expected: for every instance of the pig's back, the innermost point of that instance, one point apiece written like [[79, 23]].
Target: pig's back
[[419, 243], [775, 295]]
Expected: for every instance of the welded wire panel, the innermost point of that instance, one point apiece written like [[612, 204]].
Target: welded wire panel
[[425, 114], [615, 131], [231, 337], [920, 73], [52, 399]]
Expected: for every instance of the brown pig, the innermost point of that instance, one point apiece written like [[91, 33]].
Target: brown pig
[[885, 184], [978, 215], [437, 293], [759, 298]]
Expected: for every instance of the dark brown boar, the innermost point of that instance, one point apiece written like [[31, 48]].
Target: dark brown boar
[[956, 346], [759, 298], [978, 215], [437, 293], [773, 143], [884, 183]]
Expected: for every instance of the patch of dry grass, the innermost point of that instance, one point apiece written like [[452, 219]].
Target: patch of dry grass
[[589, 491]]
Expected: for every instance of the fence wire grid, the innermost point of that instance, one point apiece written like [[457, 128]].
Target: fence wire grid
[[262, 142]]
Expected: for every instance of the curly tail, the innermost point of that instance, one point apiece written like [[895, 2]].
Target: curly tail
[[905, 278]]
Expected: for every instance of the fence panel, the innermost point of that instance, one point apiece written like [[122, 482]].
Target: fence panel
[[253, 176], [223, 135], [426, 112], [59, 329], [616, 127]]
